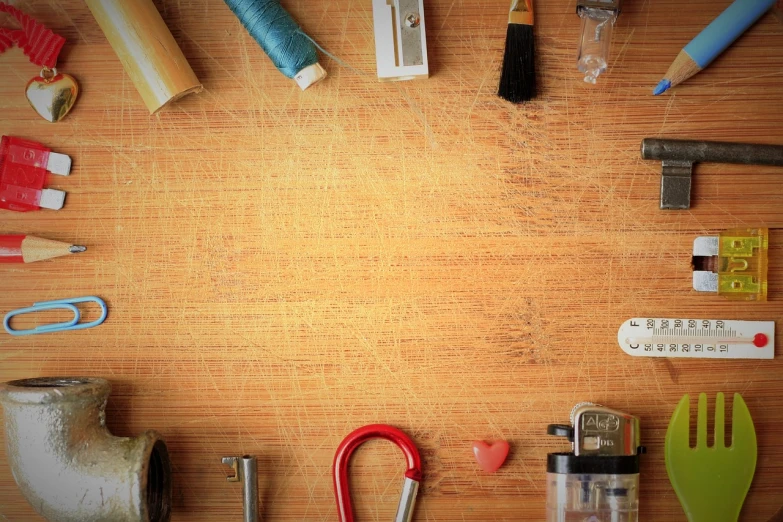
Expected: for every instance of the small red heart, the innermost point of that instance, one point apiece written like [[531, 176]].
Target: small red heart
[[490, 458]]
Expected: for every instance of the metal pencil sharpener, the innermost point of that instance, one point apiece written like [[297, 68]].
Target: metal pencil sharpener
[[400, 39]]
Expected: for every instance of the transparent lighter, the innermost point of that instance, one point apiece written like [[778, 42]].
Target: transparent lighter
[[598, 17], [598, 481]]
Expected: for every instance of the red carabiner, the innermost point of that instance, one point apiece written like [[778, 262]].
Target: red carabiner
[[412, 474]]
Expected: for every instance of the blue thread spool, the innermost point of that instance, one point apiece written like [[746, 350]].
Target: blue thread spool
[[289, 48]]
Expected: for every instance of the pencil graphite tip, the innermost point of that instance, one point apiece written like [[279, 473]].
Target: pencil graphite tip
[[75, 249], [662, 87]]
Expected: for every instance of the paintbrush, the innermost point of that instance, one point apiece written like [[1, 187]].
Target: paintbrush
[[518, 76]]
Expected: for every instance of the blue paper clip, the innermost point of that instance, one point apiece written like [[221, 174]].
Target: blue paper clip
[[61, 304]]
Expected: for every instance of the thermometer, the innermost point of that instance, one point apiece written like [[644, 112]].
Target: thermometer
[[699, 338]]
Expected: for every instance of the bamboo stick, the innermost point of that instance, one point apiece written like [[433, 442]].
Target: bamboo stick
[[147, 50]]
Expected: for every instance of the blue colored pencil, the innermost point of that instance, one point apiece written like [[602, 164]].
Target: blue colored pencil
[[713, 40]]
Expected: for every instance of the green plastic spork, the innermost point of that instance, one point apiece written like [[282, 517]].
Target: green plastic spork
[[711, 482]]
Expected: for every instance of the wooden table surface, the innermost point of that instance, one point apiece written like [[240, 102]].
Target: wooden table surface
[[283, 267]]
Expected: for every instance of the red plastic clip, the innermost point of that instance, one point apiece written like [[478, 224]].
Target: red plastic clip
[[23, 168], [412, 475]]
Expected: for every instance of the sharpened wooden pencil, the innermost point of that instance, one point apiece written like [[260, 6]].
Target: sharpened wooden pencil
[[29, 249], [712, 41]]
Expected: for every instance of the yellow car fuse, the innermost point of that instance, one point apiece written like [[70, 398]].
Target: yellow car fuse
[[732, 264]]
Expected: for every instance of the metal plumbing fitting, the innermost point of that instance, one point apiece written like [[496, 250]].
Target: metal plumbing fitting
[[68, 465]]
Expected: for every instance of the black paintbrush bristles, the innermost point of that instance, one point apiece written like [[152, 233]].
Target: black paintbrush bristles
[[518, 77]]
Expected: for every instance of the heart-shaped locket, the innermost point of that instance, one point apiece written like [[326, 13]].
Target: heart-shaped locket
[[52, 95], [490, 457]]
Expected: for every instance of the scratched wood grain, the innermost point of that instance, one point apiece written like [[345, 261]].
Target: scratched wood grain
[[283, 267]]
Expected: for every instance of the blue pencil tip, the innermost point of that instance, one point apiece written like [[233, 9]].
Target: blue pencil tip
[[662, 87]]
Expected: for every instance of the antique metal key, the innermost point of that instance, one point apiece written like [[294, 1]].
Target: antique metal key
[[246, 471], [678, 156]]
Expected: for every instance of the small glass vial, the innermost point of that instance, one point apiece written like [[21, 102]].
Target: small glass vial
[[598, 481], [598, 18]]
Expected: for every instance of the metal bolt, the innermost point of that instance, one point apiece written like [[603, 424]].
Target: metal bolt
[[412, 20]]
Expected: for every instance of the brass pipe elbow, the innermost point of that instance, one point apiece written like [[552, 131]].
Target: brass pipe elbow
[[68, 465]]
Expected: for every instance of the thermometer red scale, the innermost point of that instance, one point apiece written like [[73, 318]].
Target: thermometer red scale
[[699, 338]]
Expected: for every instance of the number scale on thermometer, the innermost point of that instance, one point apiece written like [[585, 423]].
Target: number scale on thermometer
[[700, 338]]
